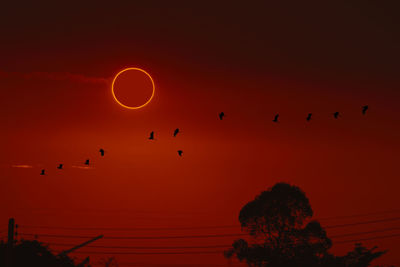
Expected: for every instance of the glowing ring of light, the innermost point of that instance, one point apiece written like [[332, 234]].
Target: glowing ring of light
[[125, 106]]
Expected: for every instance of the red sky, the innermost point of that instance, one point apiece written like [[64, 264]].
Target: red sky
[[249, 61]]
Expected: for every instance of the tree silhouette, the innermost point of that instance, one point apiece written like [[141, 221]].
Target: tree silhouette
[[33, 253], [279, 225]]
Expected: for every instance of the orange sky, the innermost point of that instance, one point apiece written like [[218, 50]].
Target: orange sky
[[57, 107]]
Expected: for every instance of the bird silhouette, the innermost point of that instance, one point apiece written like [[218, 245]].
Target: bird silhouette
[[336, 114], [60, 167], [101, 152], [276, 118], [87, 162], [364, 109], [180, 152], [221, 115], [309, 116], [176, 132], [151, 136], [42, 172]]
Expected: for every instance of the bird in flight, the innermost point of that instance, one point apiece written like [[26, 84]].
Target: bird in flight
[[101, 152], [336, 114], [42, 172], [276, 118], [180, 152], [60, 167], [176, 132], [87, 162], [364, 109], [151, 136], [221, 115], [309, 116]]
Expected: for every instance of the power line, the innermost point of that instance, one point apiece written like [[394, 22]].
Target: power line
[[173, 264], [215, 252], [201, 236], [174, 228], [365, 232], [360, 223], [368, 238], [147, 253], [137, 237], [130, 228], [204, 227], [142, 247], [212, 246], [210, 252], [177, 236], [359, 215]]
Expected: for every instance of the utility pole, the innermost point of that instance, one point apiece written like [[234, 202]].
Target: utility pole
[[10, 242], [85, 261], [65, 252]]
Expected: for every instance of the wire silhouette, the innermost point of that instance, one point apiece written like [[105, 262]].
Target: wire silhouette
[[367, 238], [212, 226], [142, 247], [202, 236], [215, 246], [137, 237], [360, 215], [147, 253], [365, 232], [212, 252], [195, 236], [361, 223], [130, 228]]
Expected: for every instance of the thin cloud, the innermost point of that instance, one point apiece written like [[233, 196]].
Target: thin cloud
[[22, 166], [26, 166], [57, 76], [83, 167]]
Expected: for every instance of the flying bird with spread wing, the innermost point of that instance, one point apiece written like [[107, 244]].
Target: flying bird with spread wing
[[101, 152], [60, 166], [151, 137], [364, 109], [336, 114], [309, 116], [42, 172], [276, 118], [176, 132], [87, 162], [221, 115], [180, 152]]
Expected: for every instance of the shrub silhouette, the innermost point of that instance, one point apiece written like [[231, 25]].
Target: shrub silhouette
[[33, 253]]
